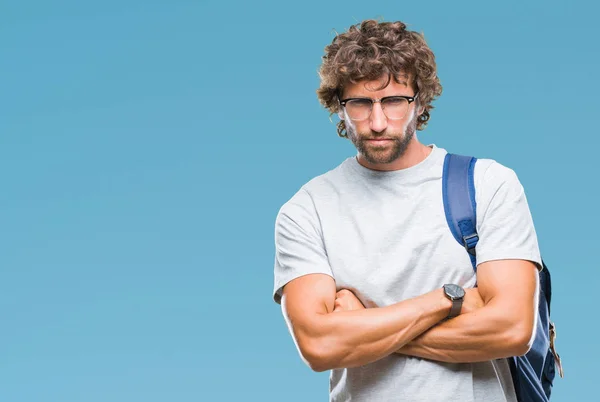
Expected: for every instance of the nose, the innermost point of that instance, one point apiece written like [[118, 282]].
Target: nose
[[378, 118]]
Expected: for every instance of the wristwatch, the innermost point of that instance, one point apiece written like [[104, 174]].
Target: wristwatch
[[456, 294]]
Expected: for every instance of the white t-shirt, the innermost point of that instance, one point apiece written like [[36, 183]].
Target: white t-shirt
[[384, 236]]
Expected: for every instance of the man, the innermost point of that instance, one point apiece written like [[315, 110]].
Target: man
[[364, 256]]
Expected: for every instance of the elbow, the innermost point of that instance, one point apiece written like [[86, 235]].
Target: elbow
[[521, 347], [316, 361], [316, 356], [522, 339], [318, 367]]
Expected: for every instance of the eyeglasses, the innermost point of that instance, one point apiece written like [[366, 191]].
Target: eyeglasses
[[394, 107]]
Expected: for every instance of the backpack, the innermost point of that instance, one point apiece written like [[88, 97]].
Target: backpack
[[532, 374]]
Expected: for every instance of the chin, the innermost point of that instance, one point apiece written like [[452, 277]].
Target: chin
[[380, 159]]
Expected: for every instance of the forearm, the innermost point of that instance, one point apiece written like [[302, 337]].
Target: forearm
[[485, 334], [355, 338]]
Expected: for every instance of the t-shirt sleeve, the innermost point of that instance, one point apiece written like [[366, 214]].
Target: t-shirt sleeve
[[299, 247], [505, 225]]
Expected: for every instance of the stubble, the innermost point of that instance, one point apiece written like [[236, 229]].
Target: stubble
[[388, 152]]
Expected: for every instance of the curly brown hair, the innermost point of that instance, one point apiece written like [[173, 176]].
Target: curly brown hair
[[371, 50]]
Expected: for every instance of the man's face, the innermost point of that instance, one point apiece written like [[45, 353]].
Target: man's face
[[378, 139]]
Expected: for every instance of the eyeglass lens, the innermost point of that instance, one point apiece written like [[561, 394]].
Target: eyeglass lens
[[360, 109]]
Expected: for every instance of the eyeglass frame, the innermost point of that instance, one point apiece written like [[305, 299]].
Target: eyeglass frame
[[410, 100]]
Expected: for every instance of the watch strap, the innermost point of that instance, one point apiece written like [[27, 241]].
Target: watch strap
[[456, 306]]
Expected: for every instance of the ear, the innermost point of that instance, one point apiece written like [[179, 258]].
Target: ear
[[420, 110], [340, 114]]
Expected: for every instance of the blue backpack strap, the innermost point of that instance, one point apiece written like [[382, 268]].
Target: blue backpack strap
[[458, 191]]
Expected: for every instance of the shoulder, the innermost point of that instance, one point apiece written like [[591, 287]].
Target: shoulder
[[498, 188], [504, 222], [301, 213], [491, 175], [321, 186]]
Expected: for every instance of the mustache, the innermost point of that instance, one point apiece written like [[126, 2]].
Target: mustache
[[378, 138]]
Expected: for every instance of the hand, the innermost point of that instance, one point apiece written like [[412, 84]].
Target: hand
[[345, 300], [472, 301]]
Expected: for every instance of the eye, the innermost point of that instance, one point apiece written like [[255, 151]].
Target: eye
[[395, 101], [359, 103]]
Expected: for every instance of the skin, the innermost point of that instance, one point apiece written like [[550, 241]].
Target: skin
[[400, 147], [471, 336], [328, 339], [332, 329]]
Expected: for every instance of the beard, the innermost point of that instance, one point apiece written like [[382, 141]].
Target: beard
[[386, 153]]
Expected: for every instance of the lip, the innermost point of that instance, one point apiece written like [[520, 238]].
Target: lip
[[379, 140]]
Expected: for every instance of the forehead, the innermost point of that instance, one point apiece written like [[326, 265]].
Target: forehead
[[397, 85]]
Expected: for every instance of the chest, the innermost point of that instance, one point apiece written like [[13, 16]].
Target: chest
[[388, 247]]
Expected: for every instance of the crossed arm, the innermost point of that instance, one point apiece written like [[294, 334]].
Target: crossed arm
[[503, 327], [333, 330]]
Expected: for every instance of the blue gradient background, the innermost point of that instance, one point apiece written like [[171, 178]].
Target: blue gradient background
[[146, 147]]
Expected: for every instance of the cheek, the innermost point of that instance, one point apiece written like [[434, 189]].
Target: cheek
[[407, 121], [398, 127], [353, 126]]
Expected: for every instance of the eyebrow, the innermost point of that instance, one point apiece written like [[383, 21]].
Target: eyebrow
[[367, 97]]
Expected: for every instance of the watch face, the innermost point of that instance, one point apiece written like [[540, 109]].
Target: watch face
[[454, 291]]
